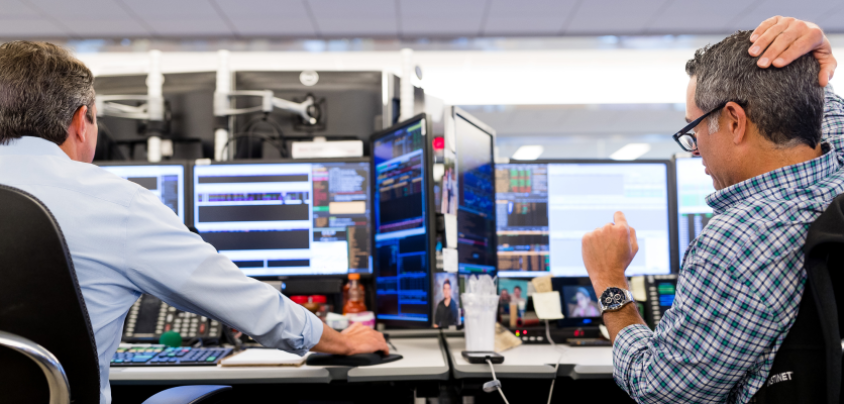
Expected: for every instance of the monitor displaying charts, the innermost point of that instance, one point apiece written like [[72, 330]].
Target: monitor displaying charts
[[166, 181], [286, 218], [544, 208], [693, 186], [401, 224]]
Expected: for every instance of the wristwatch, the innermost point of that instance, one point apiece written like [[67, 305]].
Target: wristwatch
[[613, 299]]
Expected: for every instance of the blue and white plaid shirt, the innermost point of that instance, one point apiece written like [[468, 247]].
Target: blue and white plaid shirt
[[740, 287]]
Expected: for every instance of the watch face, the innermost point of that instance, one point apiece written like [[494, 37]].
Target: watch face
[[613, 298]]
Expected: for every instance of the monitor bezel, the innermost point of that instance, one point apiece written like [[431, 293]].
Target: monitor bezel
[[187, 166], [459, 113], [428, 161], [363, 275], [678, 260], [671, 188]]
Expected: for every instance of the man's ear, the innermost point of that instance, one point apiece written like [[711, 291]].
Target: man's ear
[[79, 125], [734, 120]]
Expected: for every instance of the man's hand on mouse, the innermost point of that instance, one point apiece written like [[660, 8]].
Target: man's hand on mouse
[[362, 339], [786, 39]]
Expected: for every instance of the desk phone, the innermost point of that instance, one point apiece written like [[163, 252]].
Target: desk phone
[[660, 290], [149, 317]]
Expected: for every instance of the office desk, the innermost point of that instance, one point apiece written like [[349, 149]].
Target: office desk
[[536, 362], [424, 359]]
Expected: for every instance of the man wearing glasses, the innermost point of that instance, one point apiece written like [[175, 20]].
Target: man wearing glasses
[[772, 139]]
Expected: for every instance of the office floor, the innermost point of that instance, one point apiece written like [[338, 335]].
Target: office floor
[[451, 392]]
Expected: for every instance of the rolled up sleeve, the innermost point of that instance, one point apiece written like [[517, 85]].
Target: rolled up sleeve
[[166, 260]]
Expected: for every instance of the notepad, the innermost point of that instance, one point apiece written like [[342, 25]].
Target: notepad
[[547, 305], [263, 357]]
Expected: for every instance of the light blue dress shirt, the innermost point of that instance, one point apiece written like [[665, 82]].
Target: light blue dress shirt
[[125, 242]]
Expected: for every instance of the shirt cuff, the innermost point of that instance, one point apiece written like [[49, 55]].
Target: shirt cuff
[[629, 344], [311, 334]]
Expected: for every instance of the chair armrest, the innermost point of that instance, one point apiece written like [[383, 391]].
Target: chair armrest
[[49, 364], [190, 395]]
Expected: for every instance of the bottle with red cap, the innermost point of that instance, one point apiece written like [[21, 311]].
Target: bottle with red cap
[[353, 295]]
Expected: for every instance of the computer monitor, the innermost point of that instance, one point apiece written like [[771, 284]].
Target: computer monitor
[[544, 208], [286, 218], [402, 223], [166, 181], [476, 245], [693, 186]]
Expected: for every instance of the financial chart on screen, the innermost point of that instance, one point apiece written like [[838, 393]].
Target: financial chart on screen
[[287, 218], [401, 224], [693, 186], [545, 209], [167, 182]]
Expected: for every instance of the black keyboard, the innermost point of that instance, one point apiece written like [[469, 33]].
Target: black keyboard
[[161, 355]]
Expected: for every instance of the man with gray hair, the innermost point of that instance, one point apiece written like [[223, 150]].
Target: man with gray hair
[[123, 241], [772, 139]]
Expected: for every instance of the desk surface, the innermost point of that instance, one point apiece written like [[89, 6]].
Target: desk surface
[[424, 359], [536, 362]]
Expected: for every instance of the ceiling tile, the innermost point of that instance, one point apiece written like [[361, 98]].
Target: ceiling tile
[[605, 17], [16, 8], [441, 17], [833, 22], [86, 9], [30, 28], [697, 17], [268, 17], [170, 9], [527, 17], [190, 27], [810, 10], [107, 27], [363, 17], [270, 27]]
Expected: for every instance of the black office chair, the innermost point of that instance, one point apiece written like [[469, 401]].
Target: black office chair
[[808, 365], [47, 347]]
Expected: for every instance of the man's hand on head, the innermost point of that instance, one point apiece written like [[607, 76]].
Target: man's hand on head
[[786, 39], [607, 251]]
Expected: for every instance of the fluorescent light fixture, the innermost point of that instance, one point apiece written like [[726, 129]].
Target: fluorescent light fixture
[[528, 152], [631, 151]]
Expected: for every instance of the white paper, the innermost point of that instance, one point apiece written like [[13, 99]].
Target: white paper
[[450, 231], [637, 287], [329, 149], [547, 305], [263, 357], [450, 260]]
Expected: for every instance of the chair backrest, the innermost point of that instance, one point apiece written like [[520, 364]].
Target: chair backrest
[[808, 365], [40, 300]]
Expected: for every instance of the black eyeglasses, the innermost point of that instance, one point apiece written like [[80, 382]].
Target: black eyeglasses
[[686, 137]]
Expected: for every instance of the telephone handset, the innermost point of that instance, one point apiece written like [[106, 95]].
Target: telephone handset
[[660, 291], [149, 317]]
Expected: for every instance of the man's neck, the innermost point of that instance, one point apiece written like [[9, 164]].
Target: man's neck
[[773, 158]]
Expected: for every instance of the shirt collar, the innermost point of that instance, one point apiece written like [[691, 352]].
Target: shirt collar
[[795, 176], [32, 146]]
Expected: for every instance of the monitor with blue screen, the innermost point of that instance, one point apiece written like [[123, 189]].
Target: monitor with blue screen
[[287, 218], [693, 186], [403, 237], [476, 247], [544, 208], [166, 181]]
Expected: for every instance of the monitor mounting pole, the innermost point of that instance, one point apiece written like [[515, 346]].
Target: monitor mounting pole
[[151, 111]]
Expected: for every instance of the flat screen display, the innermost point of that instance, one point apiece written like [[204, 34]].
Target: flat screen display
[[280, 219], [476, 249], [544, 209], [166, 181], [400, 224], [693, 186]]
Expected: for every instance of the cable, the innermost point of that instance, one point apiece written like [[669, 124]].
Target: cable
[[557, 366], [495, 382]]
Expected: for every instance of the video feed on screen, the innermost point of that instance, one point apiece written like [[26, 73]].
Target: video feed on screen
[[580, 302]]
